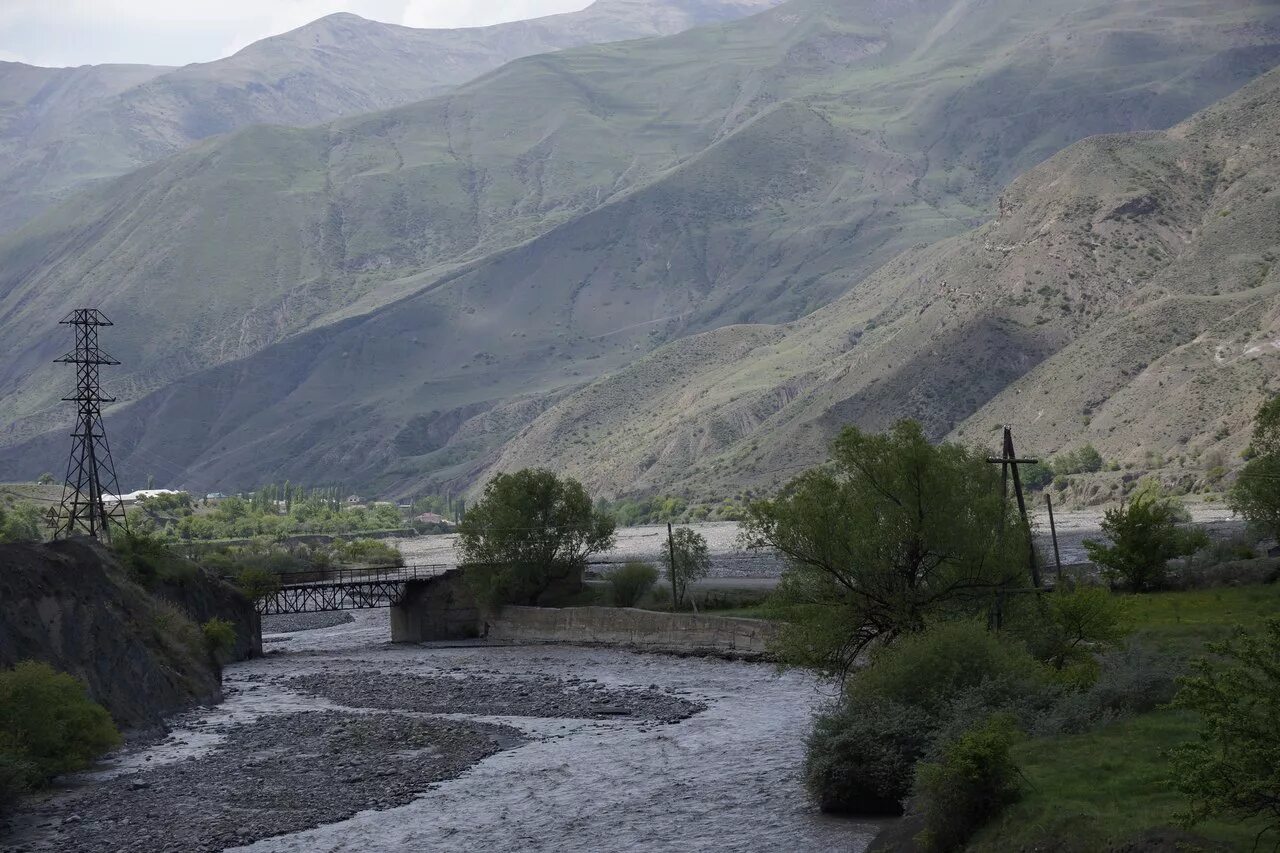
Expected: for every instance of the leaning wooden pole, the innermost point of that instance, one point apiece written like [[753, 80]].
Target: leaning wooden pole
[[1053, 533]]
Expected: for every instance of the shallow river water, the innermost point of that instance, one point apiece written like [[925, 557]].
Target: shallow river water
[[724, 779]]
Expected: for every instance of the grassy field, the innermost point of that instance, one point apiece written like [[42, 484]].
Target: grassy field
[[1090, 791]]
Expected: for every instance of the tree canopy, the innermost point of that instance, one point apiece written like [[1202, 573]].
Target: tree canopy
[[892, 533], [1256, 492], [529, 532]]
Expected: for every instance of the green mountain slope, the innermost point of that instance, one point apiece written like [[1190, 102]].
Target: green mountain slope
[[336, 66], [1127, 295], [389, 298]]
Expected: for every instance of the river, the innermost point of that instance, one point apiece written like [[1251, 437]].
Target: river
[[724, 778]]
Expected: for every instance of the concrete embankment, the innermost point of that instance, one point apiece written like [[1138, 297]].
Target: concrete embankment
[[443, 608], [140, 653], [636, 629]]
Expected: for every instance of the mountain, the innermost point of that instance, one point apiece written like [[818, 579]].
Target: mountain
[[1127, 294], [123, 117], [389, 299]]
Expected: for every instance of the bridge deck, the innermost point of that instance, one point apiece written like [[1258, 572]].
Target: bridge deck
[[343, 589]]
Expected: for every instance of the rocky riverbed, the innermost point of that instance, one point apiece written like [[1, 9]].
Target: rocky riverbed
[[338, 740]]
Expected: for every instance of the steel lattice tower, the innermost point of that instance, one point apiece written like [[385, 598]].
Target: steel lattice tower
[[87, 508]]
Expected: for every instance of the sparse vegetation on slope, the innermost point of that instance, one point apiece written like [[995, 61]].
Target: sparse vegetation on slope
[[1122, 300], [629, 214]]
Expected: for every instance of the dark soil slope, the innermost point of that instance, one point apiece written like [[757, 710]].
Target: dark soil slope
[[142, 657]]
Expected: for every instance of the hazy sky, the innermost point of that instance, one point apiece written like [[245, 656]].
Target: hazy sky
[[175, 32]]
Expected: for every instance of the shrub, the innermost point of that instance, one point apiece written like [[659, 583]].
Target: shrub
[[367, 552], [974, 780], [219, 637], [1234, 767], [1079, 622], [1144, 536], [257, 582], [860, 757], [932, 669], [149, 560], [630, 583], [14, 773], [50, 724], [1131, 680]]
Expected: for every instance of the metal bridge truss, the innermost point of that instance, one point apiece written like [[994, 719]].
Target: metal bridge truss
[[344, 589]]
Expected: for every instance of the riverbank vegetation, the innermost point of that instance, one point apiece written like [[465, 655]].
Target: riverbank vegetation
[[178, 517], [528, 538], [997, 715], [48, 726]]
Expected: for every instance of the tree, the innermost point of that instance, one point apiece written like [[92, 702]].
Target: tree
[[48, 721], [24, 522], [1233, 768], [894, 533], [1085, 460], [46, 479], [1079, 622], [1256, 492], [529, 534], [692, 561], [1144, 536]]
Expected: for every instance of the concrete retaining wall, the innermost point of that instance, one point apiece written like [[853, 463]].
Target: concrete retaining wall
[[644, 629], [440, 608]]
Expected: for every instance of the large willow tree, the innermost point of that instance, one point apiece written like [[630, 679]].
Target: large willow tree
[[893, 533]]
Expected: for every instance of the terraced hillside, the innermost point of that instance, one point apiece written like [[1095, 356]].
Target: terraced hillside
[[390, 298], [1127, 294], [123, 117]]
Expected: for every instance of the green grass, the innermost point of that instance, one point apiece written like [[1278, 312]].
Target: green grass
[[1102, 788], [1107, 786], [1181, 623]]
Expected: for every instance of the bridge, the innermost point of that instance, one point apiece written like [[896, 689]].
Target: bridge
[[344, 589]]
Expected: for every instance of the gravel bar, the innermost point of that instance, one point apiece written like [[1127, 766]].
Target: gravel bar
[[288, 623], [278, 775], [509, 696]]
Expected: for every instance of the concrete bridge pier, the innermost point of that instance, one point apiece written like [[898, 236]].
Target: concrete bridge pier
[[438, 608]]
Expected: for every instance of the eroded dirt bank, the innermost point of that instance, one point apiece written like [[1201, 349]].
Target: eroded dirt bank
[[341, 741]]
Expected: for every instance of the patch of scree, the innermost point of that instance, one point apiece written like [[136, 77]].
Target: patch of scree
[[277, 775], [496, 695], [287, 623]]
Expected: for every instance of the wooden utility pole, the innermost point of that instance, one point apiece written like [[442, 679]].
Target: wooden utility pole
[[1053, 532], [1009, 462]]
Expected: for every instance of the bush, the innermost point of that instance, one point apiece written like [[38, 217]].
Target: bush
[[49, 724], [1131, 680], [367, 552], [1079, 622], [14, 773], [1144, 536], [630, 583], [149, 560], [257, 582], [934, 668], [973, 782], [860, 758], [219, 637], [1085, 460], [1233, 769]]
